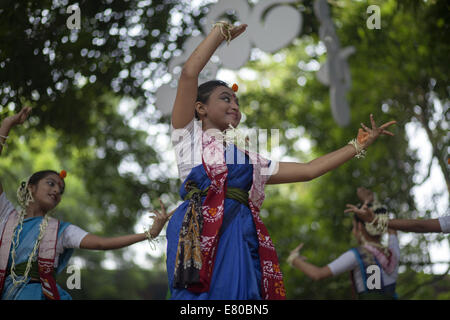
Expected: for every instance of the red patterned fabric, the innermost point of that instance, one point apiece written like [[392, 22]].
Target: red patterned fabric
[[272, 286], [46, 260], [46, 256]]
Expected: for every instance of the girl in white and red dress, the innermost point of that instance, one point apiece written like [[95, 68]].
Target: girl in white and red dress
[[363, 260], [217, 245], [33, 246]]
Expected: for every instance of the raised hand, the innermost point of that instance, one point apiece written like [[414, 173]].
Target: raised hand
[[295, 254], [228, 31], [236, 31], [364, 213], [367, 136], [159, 220], [17, 118]]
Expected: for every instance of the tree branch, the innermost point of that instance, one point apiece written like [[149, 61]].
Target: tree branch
[[423, 118], [427, 283]]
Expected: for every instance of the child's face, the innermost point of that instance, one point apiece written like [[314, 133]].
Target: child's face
[[48, 192], [222, 108]]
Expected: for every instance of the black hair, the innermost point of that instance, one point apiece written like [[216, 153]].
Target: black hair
[[205, 89], [38, 176]]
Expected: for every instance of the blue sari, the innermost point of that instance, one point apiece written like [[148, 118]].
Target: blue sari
[[237, 270], [28, 236]]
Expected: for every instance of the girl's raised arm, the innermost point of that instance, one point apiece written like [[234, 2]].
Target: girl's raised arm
[[7, 124], [184, 105]]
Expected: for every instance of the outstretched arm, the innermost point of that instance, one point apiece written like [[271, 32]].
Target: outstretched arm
[[184, 106], [296, 172], [407, 225], [94, 242], [412, 225], [314, 272], [7, 124], [289, 172]]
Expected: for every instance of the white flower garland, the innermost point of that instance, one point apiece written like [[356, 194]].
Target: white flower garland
[[151, 240], [42, 228], [378, 225], [227, 26], [360, 151], [25, 197]]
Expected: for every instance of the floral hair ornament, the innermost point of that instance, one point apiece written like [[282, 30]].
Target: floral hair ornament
[[234, 87], [63, 174]]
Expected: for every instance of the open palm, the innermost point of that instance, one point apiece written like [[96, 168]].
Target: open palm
[[366, 135]]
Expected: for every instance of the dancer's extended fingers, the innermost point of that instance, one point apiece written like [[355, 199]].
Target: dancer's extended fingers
[[163, 208], [387, 124], [25, 111], [387, 133], [299, 247], [28, 112], [365, 127], [372, 121], [23, 114], [156, 213], [238, 30]]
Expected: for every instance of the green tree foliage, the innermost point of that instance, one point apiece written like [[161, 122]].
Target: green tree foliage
[[76, 81], [398, 72]]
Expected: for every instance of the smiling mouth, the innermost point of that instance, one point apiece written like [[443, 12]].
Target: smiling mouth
[[234, 115], [53, 197]]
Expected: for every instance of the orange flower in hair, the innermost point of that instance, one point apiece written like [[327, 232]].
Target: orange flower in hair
[[234, 87], [63, 174]]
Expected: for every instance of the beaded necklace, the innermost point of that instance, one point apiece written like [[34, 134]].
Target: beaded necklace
[[42, 228], [25, 197]]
